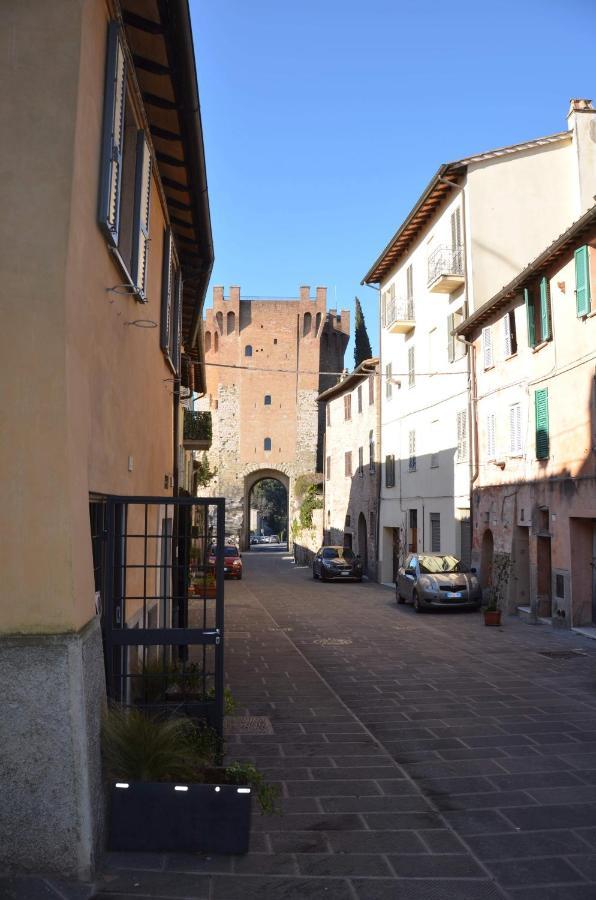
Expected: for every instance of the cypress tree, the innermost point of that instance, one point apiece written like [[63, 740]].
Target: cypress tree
[[362, 348]]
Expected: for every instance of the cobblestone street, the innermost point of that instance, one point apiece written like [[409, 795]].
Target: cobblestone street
[[420, 757]]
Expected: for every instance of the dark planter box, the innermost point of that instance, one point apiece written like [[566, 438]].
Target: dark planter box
[[159, 818]]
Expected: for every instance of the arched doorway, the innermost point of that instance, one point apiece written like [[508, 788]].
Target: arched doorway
[[363, 542], [486, 559], [266, 500]]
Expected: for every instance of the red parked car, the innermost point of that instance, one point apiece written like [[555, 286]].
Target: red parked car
[[232, 561]]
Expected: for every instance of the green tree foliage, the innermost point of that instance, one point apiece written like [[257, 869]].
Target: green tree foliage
[[362, 348], [270, 497], [203, 474]]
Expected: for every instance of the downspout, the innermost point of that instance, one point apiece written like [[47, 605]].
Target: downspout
[[175, 436], [379, 395]]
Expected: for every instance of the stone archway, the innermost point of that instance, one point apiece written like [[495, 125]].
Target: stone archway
[[251, 479]]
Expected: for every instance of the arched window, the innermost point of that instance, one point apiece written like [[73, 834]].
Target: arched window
[[267, 400], [207, 341], [219, 321], [318, 323], [306, 324], [267, 444], [371, 451], [230, 323], [215, 342], [248, 350]]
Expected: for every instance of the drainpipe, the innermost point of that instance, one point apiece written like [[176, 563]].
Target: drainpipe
[[176, 411], [378, 441]]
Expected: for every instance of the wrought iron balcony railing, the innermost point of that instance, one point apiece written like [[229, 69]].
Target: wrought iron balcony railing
[[446, 264], [197, 429], [399, 315]]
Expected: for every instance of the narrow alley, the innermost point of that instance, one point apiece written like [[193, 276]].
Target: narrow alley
[[419, 756]]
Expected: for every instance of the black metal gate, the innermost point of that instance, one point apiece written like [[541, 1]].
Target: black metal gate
[[163, 609]]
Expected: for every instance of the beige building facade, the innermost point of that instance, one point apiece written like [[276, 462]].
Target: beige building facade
[[103, 277], [534, 478], [351, 463], [267, 360], [477, 224]]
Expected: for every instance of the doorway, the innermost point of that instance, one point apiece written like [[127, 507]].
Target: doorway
[[544, 598], [363, 542], [520, 568]]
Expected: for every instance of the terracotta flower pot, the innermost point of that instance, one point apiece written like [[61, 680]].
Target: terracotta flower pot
[[492, 616]]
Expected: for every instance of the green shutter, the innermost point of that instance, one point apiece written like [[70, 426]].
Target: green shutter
[[542, 436], [582, 281], [530, 315], [545, 310]]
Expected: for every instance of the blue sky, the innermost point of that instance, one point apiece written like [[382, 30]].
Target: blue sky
[[324, 120]]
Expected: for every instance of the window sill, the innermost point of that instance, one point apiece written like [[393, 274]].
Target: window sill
[[488, 368], [589, 315], [539, 346], [511, 356]]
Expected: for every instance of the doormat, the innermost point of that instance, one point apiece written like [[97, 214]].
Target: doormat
[[247, 725]]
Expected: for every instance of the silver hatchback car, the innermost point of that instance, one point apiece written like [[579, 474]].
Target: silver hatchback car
[[436, 580]]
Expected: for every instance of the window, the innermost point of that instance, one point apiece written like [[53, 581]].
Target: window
[[215, 342], [412, 451], [248, 350], [491, 451], [509, 333], [542, 434], [360, 398], [388, 381], [487, 343], [347, 407], [583, 299], [435, 437], [219, 321], [537, 300], [515, 436], [306, 324], [410, 291], [435, 532], [411, 372], [171, 304], [230, 323], [413, 532], [384, 300], [371, 390], [125, 175], [456, 349], [348, 521], [456, 238], [462, 436], [267, 400], [390, 471], [328, 469], [361, 461], [317, 323], [328, 414], [267, 444], [371, 451], [207, 341], [348, 463]]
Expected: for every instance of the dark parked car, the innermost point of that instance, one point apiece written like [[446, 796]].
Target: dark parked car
[[433, 580], [336, 562], [232, 561]]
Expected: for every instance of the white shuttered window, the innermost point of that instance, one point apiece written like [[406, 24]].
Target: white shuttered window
[[487, 343], [462, 436], [491, 444], [515, 436]]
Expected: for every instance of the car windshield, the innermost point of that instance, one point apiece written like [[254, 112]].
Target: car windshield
[[337, 553], [433, 565], [228, 551]]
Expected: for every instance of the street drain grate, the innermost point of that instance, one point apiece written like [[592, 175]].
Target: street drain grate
[[247, 725], [332, 642], [561, 654]]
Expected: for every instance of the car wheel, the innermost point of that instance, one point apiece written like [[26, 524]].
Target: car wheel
[[417, 604], [314, 574], [399, 597], [239, 577]]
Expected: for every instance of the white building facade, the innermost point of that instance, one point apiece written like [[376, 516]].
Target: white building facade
[[476, 226]]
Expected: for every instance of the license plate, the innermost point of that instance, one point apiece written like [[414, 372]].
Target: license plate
[[345, 573], [454, 596]]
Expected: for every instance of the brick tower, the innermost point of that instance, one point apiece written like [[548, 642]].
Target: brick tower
[[265, 361]]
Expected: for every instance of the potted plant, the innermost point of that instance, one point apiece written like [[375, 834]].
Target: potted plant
[[167, 792], [492, 613], [204, 586], [498, 591]]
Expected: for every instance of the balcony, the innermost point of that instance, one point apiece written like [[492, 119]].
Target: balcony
[[399, 316], [446, 269], [197, 430]]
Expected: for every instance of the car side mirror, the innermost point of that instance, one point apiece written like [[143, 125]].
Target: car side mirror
[[410, 571]]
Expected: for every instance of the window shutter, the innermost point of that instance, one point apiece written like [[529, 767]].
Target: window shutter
[[166, 293], [450, 338], [177, 322], [140, 228], [487, 338], [412, 450], [515, 428], [545, 310], [411, 373], [435, 532], [409, 283], [490, 436], [530, 314], [582, 281], [507, 334], [113, 135], [462, 436], [456, 229], [542, 435]]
